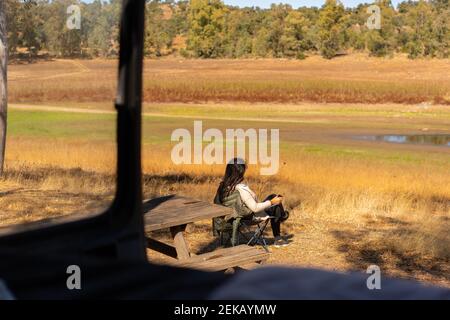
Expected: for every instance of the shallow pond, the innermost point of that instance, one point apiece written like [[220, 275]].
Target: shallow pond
[[422, 139]]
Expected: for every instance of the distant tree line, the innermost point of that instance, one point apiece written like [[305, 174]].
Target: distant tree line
[[211, 29]]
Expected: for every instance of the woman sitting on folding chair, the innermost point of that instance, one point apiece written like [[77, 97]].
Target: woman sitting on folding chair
[[233, 193]]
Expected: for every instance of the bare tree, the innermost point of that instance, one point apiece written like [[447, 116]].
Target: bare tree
[[3, 79]]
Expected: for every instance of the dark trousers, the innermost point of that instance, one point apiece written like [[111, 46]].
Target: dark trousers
[[280, 216]]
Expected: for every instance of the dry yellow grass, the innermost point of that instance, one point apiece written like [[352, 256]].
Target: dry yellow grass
[[355, 79], [347, 213], [352, 204]]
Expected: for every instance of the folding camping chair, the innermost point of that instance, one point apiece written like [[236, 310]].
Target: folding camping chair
[[258, 234], [241, 227]]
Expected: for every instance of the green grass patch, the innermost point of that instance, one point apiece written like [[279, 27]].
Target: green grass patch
[[44, 124], [157, 132], [377, 154]]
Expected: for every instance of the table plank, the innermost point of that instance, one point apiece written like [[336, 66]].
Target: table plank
[[174, 210], [223, 259]]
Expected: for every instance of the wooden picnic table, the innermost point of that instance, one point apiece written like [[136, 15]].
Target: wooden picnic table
[[175, 213]]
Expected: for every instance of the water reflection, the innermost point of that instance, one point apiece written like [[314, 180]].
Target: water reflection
[[428, 139]]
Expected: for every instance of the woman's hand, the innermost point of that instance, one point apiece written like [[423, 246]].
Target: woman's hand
[[276, 201]]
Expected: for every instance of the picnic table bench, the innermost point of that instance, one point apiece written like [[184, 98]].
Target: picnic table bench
[[175, 213]]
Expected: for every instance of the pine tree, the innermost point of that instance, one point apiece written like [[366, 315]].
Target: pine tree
[[384, 41], [330, 28], [158, 32], [421, 42], [276, 21], [261, 43], [29, 28], [293, 41]]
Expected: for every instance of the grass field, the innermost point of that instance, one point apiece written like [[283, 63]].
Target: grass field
[[351, 79], [353, 202]]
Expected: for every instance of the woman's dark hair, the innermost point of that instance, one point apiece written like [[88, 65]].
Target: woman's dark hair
[[234, 174]]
